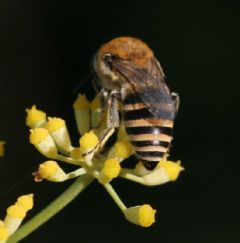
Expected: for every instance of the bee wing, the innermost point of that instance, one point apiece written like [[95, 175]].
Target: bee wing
[[176, 99], [150, 87]]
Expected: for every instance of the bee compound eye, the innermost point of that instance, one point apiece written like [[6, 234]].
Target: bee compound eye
[[108, 59]]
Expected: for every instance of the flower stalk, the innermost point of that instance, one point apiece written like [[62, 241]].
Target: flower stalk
[[58, 204]]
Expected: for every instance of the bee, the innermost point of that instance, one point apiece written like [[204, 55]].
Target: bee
[[128, 72]]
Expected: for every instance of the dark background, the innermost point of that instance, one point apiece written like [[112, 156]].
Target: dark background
[[45, 50]]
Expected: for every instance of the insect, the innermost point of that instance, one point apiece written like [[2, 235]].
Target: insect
[[128, 72]]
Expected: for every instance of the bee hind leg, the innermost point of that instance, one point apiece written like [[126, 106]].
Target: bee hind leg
[[113, 110], [110, 119]]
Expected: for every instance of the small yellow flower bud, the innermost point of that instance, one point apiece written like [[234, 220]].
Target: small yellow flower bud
[[123, 149], [109, 171], [43, 141], [96, 111], [111, 168], [50, 170], [16, 211], [95, 104], [172, 168], [35, 117], [58, 130], [122, 134], [81, 102], [88, 141], [26, 201], [54, 124], [3, 232], [38, 135], [143, 215], [2, 148], [82, 114], [146, 215]]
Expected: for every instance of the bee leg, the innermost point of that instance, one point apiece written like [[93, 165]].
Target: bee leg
[[110, 119], [113, 110], [176, 100]]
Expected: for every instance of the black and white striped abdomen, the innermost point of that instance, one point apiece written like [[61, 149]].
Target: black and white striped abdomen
[[150, 136]]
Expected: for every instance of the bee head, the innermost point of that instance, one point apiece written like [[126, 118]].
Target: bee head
[[128, 51]]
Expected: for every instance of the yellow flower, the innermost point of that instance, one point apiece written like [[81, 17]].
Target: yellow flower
[[81, 109], [50, 170], [58, 130], [122, 134], [81, 103], [26, 201], [44, 143], [96, 111], [17, 212], [109, 171], [172, 168], [143, 215], [123, 149], [35, 117], [87, 142]]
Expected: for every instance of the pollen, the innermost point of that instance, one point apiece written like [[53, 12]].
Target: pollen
[[81, 102], [38, 135], [35, 117], [16, 211], [172, 168], [26, 201], [88, 141], [54, 124]]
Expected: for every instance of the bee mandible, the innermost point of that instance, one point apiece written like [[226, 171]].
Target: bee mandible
[[128, 72]]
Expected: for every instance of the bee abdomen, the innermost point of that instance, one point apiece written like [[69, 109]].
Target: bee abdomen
[[149, 129], [150, 143], [150, 136]]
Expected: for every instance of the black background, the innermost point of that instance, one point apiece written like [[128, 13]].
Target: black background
[[45, 50]]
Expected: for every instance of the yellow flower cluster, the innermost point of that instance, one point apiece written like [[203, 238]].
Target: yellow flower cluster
[[51, 138], [15, 215]]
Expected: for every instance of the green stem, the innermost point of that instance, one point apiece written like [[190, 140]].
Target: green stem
[[69, 160], [115, 196], [59, 203]]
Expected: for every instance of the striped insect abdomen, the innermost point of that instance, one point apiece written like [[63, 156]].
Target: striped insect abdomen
[[150, 136]]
